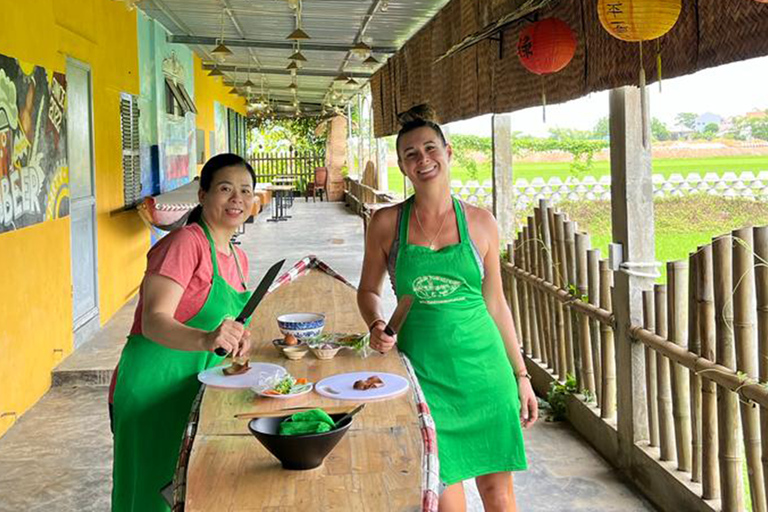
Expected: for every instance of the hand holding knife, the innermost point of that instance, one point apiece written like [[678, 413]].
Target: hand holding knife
[[255, 299], [398, 317]]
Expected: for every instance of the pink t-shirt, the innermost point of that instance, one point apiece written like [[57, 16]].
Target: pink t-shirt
[[184, 255]]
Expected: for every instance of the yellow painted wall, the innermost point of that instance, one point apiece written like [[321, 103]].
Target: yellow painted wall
[[35, 273], [207, 90]]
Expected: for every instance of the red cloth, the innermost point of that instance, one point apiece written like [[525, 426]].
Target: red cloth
[[184, 255]]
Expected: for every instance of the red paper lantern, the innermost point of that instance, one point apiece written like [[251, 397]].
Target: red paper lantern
[[546, 46]]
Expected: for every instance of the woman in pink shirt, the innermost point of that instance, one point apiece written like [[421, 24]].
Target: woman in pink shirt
[[193, 289]]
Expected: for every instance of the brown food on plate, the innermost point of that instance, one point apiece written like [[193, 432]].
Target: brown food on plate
[[290, 340], [237, 368], [371, 382]]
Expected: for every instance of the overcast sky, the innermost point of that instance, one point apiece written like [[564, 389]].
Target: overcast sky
[[728, 90]]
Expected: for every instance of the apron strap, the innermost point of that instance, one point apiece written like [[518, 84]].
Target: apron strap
[[404, 220], [462, 220], [214, 261]]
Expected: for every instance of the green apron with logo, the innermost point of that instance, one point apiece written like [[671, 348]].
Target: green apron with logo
[[459, 357], [155, 388]]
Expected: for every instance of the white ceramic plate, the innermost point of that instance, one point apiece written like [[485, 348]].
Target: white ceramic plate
[[215, 376], [301, 389], [341, 387]]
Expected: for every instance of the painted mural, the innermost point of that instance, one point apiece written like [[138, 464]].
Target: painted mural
[[34, 177], [222, 130]]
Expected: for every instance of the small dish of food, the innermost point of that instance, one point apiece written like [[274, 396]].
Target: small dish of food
[[325, 350], [284, 386], [295, 353], [289, 340]]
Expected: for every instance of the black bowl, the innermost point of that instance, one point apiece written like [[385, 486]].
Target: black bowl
[[297, 452]]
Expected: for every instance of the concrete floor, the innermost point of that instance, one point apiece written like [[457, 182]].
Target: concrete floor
[[58, 456]]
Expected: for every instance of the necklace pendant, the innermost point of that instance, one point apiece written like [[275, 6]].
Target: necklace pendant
[[432, 246]]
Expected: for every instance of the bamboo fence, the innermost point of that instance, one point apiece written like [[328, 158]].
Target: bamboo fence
[[705, 334]]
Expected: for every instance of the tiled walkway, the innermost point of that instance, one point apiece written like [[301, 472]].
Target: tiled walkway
[[58, 455]]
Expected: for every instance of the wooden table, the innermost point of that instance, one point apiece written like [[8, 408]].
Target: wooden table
[[279, 194], [375, 467]]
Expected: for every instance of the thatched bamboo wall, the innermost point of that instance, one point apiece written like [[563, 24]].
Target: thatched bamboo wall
[[488, 76]]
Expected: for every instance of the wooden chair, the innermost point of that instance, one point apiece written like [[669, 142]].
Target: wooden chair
[[318, 186]]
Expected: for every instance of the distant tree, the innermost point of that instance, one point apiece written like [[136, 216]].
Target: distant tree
[[756, 127], [687, 119], [601, 129], [659, 130], [711, 129]]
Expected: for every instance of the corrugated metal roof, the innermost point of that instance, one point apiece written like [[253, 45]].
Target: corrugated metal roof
[[330, 23]]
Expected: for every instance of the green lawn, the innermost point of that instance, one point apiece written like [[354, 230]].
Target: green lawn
[[681, 224], [562, 170]]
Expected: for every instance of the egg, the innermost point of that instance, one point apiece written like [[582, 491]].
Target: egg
[[290, 339]]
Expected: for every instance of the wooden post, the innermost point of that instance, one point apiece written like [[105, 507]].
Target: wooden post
[[761, 289], [382, 178], [607, 349], [593, 284], [744, 338], [666, 427], [633, 228], [558, 329], [731, 493], [710, 480], [503, 184], [582, 282], [677, 333], [651, 383]]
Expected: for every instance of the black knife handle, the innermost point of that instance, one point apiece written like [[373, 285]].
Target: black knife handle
[[221, 351], [389, 331]]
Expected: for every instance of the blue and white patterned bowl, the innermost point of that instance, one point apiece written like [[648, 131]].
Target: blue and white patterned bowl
[[301, 325]]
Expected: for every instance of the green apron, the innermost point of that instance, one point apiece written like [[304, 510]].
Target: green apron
[[459, 357], [153, 397]]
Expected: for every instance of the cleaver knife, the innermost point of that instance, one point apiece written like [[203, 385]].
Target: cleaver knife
[[398, 317], [256, 297]]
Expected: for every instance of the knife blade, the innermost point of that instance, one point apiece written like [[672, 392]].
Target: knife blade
[[256, 297], [398, 317]]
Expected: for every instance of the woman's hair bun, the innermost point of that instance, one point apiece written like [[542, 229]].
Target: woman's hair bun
[[422, 112]]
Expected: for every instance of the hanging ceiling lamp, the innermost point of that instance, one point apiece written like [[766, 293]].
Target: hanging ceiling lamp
[[298, 34], [221, 52], [341, 77], [351, 82], [215, 72], [361, 50], [248, 85], [293, 65], [384, 6], [370, 61]]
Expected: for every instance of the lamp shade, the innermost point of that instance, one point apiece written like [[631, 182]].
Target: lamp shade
[[638, 20], [298, 35], [546, 46]]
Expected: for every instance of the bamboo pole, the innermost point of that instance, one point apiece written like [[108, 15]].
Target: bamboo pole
[[522, 292], [666, 427], [607, 349], [761, 293], [710, 479], [565, 343], [593, 285], [582, 282], [557, 310], [545, 257], [514, 302], [694, 345], [569, 233], [651, 383], [534, 320], [744, 339], [677, 318], [546, 320], [727, 411]]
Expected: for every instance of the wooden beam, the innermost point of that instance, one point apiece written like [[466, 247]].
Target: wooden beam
[[632, 216], [503, 184]]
